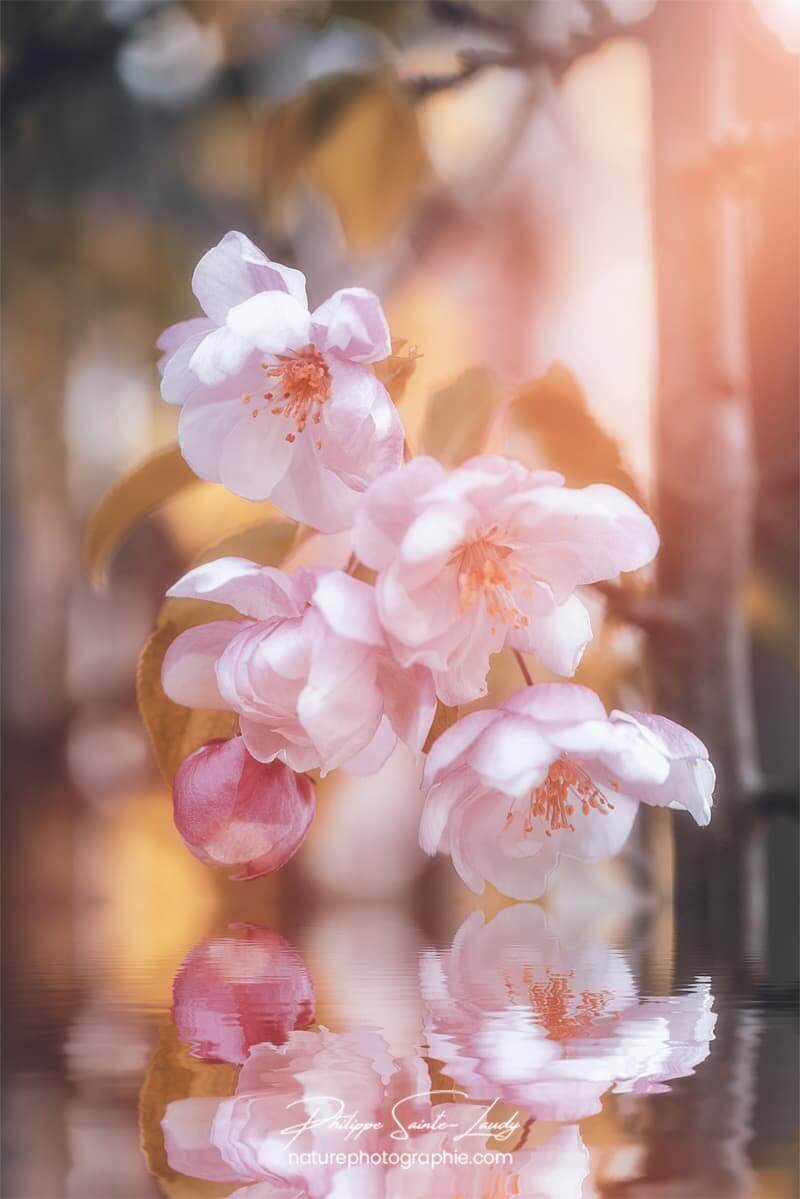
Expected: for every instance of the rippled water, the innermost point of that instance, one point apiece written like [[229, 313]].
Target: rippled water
[[611, 1063]]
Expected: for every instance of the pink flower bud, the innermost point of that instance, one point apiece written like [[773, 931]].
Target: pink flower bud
[[240, 990], [233, 811]]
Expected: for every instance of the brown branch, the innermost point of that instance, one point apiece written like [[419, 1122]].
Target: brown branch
[[524, 55], [649, 612]]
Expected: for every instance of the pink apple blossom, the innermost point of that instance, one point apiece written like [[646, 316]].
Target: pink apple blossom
[[307, 668], [488, 555], [551, 1023], [279, 402], [232, 810], [550, 773], [236, 991]]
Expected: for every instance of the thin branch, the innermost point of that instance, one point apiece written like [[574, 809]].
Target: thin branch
[[649, 612], [523, 665], [524, 54]]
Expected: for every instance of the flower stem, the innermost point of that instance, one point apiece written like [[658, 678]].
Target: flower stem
[[526, 674]]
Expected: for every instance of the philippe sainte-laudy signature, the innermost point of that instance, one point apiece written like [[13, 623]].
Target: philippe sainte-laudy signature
[[328, 1111]]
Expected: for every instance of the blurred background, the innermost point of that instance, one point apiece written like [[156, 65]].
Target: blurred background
[[584, 218]]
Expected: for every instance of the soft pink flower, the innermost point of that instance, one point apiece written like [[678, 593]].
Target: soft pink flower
[[236, 991], [490, 555], [549, 773], [234, 811], [552, 1024], [308, 670], [279, 402]]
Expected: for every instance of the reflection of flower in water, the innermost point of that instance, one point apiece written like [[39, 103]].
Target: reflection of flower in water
[[317, 1075], [235, 991], [558, 1009], [512, 1012]]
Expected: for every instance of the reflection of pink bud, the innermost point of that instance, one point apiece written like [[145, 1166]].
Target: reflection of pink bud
[[239, 990], [234, 811]]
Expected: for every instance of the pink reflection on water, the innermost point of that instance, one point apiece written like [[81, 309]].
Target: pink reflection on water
[[552, 1025], [236, 991]]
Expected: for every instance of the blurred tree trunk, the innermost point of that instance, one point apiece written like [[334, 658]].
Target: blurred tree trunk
[[705, 458]]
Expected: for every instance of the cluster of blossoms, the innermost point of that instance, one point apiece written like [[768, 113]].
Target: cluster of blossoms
[[327, 671]]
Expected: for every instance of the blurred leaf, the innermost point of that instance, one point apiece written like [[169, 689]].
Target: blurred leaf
[[174, 1074], [395, 371], [549, 424], [444, 718], [459, 419], [147, 486], [357, 140], [176, 731]]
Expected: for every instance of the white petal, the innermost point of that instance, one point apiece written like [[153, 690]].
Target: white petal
[[272, 321]]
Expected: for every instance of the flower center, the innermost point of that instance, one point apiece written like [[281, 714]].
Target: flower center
[[553, 802], [559, 1010], [303, 382], [485, 569]]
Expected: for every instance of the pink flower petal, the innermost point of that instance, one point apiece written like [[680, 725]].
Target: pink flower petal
[[203, 425], [557, 636], [348, 606], [341, 705], [235, 812], [220, 355], [455, 741], [556, 703], [188, 673], [388, 509], [370, 759], [583, 535], [236, 269], [272, 321], [409, 701], [178, 381], [258, 591], [312, 494], [511, 756], [177, 335], [256, 455], [352, 323], [187, 1140]]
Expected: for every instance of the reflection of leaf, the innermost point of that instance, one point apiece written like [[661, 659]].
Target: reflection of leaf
[[176, 731], [356, 139], [549, 424], [459, 418], [130, 499], [395, 371], [174, 1074], [444, 718]]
